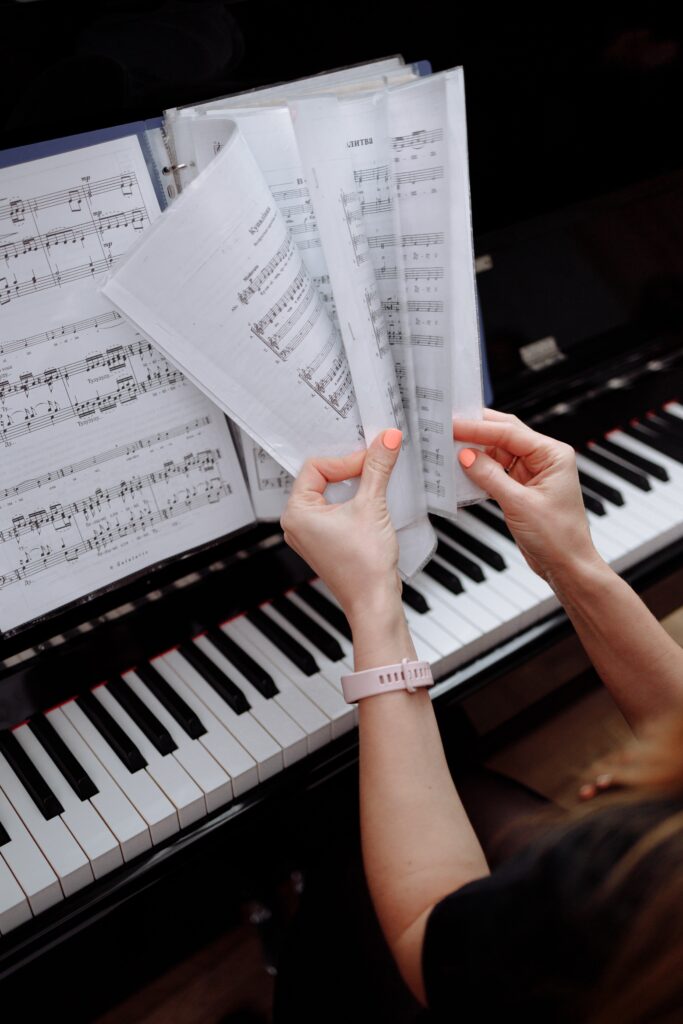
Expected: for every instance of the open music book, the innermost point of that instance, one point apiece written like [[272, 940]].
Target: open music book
[[114, 461]]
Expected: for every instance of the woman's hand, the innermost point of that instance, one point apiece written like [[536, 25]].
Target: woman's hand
[[534, 480], [351, 546]]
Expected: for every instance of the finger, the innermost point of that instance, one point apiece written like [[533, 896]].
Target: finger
[[379, 461], [587, 792], [490, 475], [511, 435], [501, 417], [316, 474]]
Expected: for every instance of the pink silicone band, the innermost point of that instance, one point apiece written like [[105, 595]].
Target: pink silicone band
[[407, 675]]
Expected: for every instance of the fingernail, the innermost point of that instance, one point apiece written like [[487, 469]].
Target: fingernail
[[604, 781], [467, 457], [586, 792], [392, 439]]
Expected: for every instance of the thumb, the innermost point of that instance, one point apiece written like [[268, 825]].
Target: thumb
[[380, 459], [489, 475]]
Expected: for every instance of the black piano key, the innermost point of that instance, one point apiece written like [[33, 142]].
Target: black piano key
[[324, 607], [474, 546], [157, 734], [632, 476], [414, 599], [456, 558], [112, 733], [172, 701], [290, 647], [4, 835], [250, 669], [659, 436], [314, 632], [603, 490], [592, 504], [674, 422], [217, 680], [485, 515], [637, 461], [31, 779], [444, 576], [74, 773]]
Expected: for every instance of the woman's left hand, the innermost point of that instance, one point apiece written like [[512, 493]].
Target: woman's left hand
[[352, 546]]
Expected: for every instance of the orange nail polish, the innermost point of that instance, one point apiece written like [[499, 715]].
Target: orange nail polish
[[467, 457], [392, 439]]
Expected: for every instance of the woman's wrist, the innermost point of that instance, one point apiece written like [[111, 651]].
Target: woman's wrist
[[579, 581], [380, 631]]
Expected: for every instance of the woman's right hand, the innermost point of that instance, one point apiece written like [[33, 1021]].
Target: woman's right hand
[[535, 481]]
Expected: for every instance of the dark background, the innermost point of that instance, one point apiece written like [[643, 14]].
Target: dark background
[[561, 106]]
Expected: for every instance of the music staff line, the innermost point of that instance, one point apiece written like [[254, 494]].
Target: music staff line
[[127, 390], [281, 257], [101, 223], [417, 139], [16, 209], [61, 516], [407, 241], [55, 279], [112, 318], [112, 359], [101, 457], [101, 542]]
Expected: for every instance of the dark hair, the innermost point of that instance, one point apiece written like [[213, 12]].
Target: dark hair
[[630, 840]]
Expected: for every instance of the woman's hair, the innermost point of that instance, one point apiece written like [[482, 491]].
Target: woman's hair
[[641, 881]]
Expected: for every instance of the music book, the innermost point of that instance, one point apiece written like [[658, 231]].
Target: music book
[[117, 455]]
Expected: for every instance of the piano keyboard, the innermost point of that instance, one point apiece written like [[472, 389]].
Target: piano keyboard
[[99, 780]]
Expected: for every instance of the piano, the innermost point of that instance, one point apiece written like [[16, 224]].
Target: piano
[[167, 746]]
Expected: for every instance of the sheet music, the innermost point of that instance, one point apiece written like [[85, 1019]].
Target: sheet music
[[329, 170], [269, 483], [438, 301], [112, 461], [221, 287]]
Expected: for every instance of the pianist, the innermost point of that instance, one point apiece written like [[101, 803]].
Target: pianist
[[585, 922]]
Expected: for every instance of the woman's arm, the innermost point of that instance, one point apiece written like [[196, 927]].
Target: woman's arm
[[418, 845], [534, 480]]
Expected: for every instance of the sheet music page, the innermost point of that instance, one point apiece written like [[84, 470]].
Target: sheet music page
[[219, 285], [269, 484], [328, 168], [272, 140], [112, 460], [428, 128]]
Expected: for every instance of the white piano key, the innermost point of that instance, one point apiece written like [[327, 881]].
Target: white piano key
[[673, 468], [268, 711], [646, 513], [14, 907], [504, 584], [675, 408], [253, 737], [311, 698], [87, 827], [61, 850], [423, 648], [124, 821], [213, 781], [299, 697], [505, 547], [333, 704], [26, 861], [445, 604], [217, 740], [154, 806], [169, 775]]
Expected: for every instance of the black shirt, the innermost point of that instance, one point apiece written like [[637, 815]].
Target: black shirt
[[534, 937]]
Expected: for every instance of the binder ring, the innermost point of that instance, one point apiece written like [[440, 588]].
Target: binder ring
[[175, 167]]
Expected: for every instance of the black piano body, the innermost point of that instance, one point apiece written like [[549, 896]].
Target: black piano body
[[583, 313]]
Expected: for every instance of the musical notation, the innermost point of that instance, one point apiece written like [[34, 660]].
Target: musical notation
[[63, 400], [415, 175], [70, 238], [73, 468], [109, 319], [424, 274], [374, 174], [280, 259], [376, 315], [431, 426], [427, 340], [435, 458], [425, 306], [353, 215], [418, 139], [334, 385], [407, 241], [429, 394]]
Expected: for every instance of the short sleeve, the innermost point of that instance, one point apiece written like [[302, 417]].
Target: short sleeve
[[506, 943]]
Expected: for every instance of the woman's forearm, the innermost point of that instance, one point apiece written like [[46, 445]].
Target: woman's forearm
[[418, 844], [635, 657]]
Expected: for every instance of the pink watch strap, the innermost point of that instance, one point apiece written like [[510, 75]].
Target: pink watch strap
[[407, 675]]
